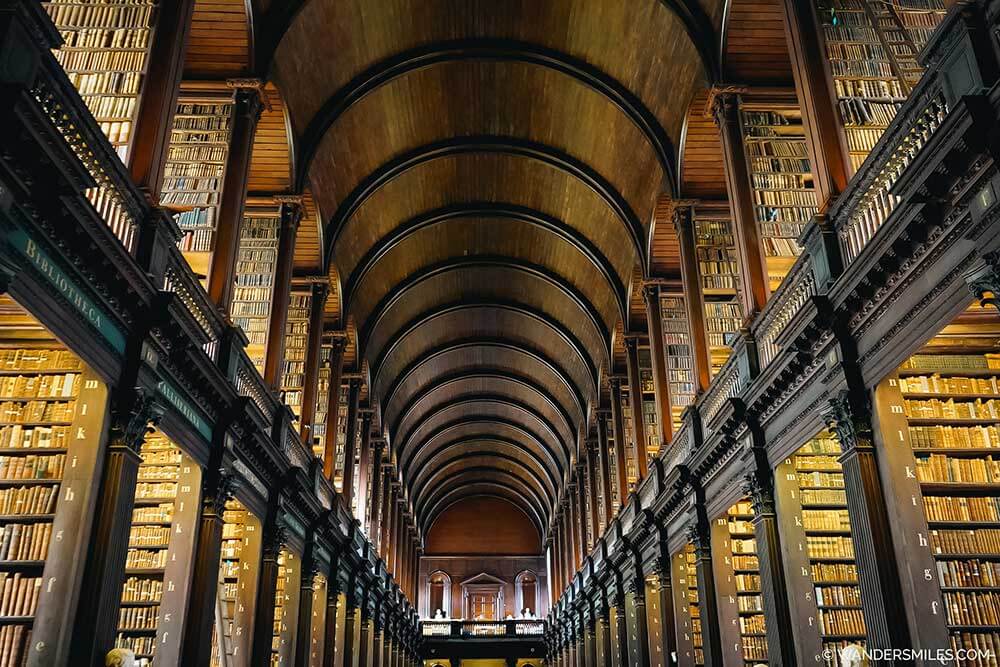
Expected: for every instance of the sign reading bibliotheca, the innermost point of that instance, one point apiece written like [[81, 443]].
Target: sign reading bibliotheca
[[168, 391], [66, 286]]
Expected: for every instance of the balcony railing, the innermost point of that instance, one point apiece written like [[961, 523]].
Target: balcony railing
[[466, 629]]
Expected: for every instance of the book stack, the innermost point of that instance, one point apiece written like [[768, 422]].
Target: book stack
[[955, 436], [293, 372], [318, 432], [255, 266], [234, 565], [820, 484], [105, 55], [782, 183], [650, 414], [694, 609], [38, 391], [746, 573], [193, 174], [679, 355]]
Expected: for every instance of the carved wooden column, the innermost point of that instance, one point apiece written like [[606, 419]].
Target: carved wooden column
[[350, 620], [314, 345], [581, 504], [639, 635], [330, 628], [664, 604], [759, 487], [579, 550], [658, 357], [386, 509], [217, 488], [699, 534], [753, 269], [983, 280], [620, 444], [556, 563], [371, 631], [570, 535], [350, 444], [267, 586], [247, 107], [694, 298], [333, 408], [827, 145], [605, 465], [303, 638], [593, 481], [882, 600], [621, 627], [100, 593], [635, 402], [365, 458], [274, 356], [604, 635], [375, 493], [154, 116]]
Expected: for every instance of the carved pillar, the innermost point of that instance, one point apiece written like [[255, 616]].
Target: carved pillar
[[100, 593], [217, 488], [267, 586], [983, 280], [621, 627], [694, 298], [333, 408], [664, 593], [620, 444], [581, 503], [827, 145], [759, 487], [330, 627], [605, 464], [274, 356], [699, 534], [574, 527], [313, 353], [658, 357], [375, 494], [371, 632], [347, 485], [350, 620], [593, 475], [157, 104], [639, 637], [882, 601], [603, 640], [635, 402], [303, 638], [365, 458], [753, 268], [247, 107], [386, 509]]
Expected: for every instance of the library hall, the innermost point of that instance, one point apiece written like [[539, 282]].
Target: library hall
[[478, 333]]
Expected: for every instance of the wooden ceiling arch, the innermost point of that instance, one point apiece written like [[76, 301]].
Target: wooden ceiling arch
[[481, 489], [489, 172], [505, 386], [424, 464]]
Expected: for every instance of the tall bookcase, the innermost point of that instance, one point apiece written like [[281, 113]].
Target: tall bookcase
[[106, 54], [194, 171], [51, 417], [687, 613], [718, 269], [872, 49], [943, 407], [737, 583], [650, 412], [781, 179], [317, 628], [341, 438], [612, 455], [631, 471], [679, 353], [286, 609], [161, 545], [819, 551], [322, 399], [238, 569], [255, 266], [293, 372]]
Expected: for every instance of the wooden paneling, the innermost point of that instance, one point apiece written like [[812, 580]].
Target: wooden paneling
[[756, 50], [499, 528], [219, 46], [271, 166], [665, 252], [702, 170]]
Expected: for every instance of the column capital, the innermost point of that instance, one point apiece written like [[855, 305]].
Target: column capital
[[131, 419], [723, 100], [983, 280], [849, 418], [216, 493]]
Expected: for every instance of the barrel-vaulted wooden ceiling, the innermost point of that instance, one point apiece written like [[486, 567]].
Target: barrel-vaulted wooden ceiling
[[489, 182]]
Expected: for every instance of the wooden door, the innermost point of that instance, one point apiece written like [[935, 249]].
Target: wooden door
[[482, 606]]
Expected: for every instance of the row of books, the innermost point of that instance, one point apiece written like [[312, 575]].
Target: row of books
[[146, 559], [24, 500], [822, 497], [25, 541], [952, 409], [838, 596], [946, 508], [841, 622], [826, 520], [956, 437], [951, 362], [149, 536], [138, 618], [105, 38], [142, 589], [16, 412], [936, 384], [968, 574], [18, 594], [838, 572], [941, 468], [32, 467], [971, 541], [63, 385], [973, 607], [23, 360], [825, 546], [855, 112], [106, 83], [981, 648]]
